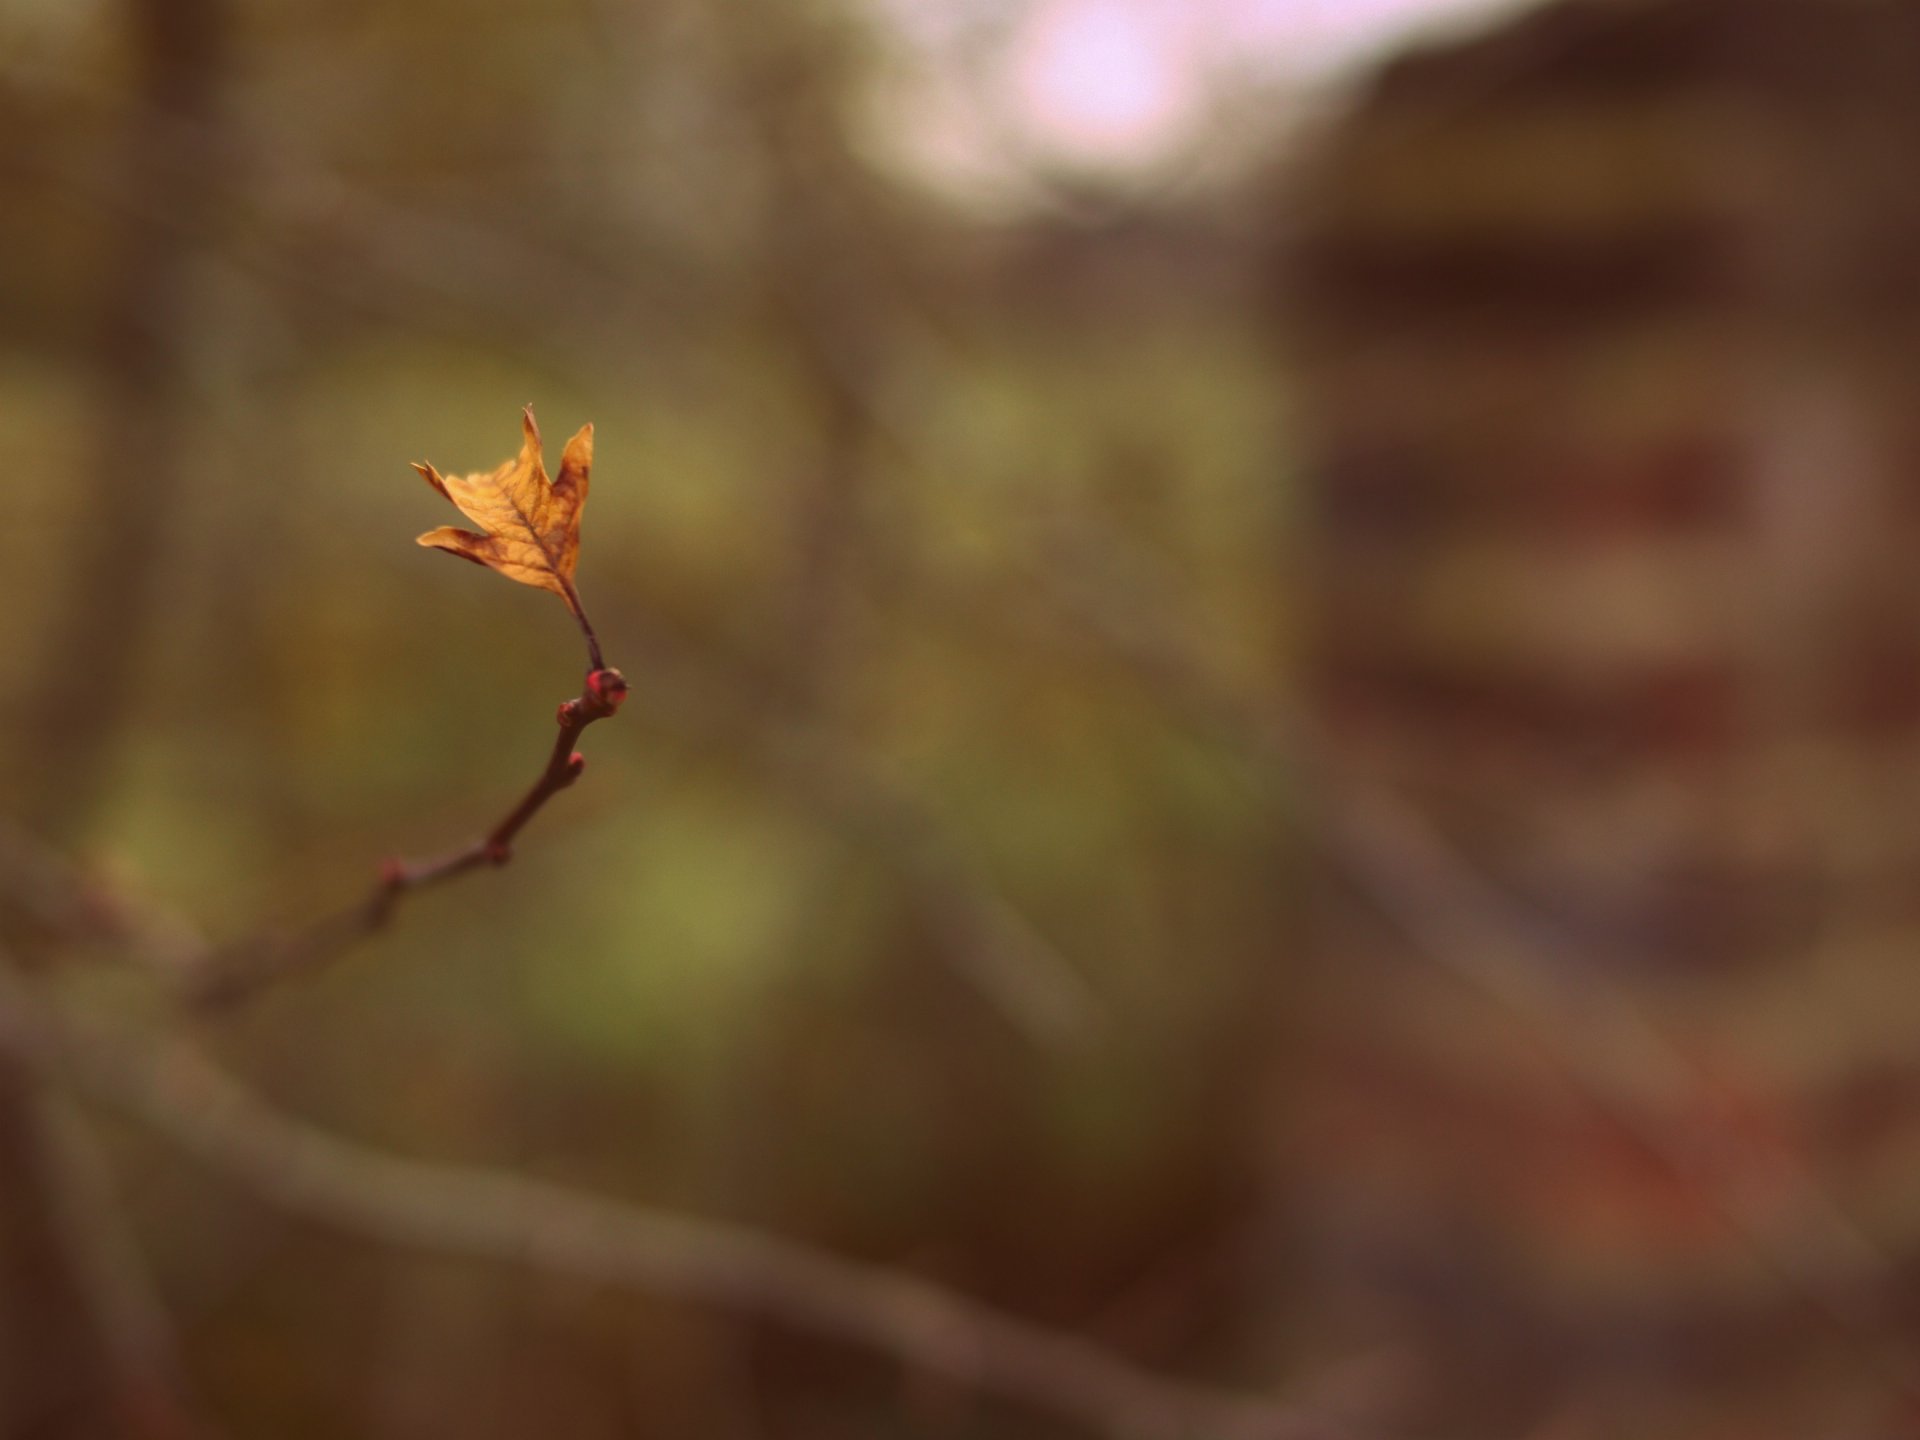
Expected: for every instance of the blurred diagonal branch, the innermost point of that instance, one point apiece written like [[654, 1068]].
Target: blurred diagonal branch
[[183, 1095], [983, 934], [1619, 1056], [153, 1397]]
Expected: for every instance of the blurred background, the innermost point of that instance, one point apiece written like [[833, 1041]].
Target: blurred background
[[1275, 679]]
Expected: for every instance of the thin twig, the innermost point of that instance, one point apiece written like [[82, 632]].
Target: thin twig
[[595, 662], [456, 1210], [237, 972]]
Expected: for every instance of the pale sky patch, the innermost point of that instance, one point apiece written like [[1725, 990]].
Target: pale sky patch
[[1124, 86], [1106, 80]]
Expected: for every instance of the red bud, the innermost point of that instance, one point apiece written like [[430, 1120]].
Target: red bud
[[609, 687]]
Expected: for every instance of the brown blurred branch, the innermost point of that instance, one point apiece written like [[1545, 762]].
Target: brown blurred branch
[[985, 936], [1618, 1056], [173, 163], [484, 1214], [152, 1396], [236, 972], [73, 1357], [61, 1356]]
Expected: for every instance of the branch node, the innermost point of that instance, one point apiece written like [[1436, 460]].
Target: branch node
[[394, 879], [606, 688], [498, 852]]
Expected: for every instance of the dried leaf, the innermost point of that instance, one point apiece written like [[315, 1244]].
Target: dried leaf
[[530, 525]]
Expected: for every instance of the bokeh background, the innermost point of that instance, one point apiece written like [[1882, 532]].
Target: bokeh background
[[1275, 674]]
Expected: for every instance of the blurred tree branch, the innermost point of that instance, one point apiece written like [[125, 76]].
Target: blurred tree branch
[[1618, 1055], [152, 1396], [69, 1307], [179, 1092], [984, 935]]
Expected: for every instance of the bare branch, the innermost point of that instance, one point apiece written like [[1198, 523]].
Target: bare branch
[[484, 1214], [236, 972]]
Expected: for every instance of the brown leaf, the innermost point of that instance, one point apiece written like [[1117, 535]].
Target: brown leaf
[[531, 525]]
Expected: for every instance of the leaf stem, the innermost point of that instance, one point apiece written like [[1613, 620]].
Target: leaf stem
[[594, 660]]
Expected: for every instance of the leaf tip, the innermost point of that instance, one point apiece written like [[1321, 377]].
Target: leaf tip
[[432, 476], [577, 458], [464, 543]]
